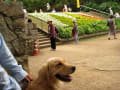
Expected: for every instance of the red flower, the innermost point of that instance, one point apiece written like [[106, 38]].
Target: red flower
[[92, 17]]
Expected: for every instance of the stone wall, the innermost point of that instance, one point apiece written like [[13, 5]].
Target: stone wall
[[15, 31]]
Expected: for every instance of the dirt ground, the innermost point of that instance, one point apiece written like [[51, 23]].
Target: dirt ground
[[97, 61]]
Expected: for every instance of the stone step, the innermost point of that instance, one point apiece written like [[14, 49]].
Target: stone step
[[42, 35], [39, 37], [43, 42], [34, 31], [44, 45], [43, 39]]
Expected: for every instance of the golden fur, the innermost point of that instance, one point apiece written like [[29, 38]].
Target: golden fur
[[46, 79]]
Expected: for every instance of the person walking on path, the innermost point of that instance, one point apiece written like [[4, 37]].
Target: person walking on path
[[112, 27], [9, 63], [75, 31], [52, 34]]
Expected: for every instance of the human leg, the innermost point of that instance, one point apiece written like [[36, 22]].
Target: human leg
[[54, 43], [76, 38], [115, 35], [109, 34], [51, 41]]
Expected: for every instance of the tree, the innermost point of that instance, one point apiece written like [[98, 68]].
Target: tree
[[31, 5]]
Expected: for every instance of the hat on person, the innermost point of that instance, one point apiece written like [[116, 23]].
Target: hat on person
[[49, 22], [74, 20]]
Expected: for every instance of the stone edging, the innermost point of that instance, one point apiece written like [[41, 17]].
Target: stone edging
[[60, 40], [84, 36]]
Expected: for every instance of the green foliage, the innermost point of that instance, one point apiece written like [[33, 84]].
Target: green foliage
[[65, 32], [103, 6], [63, 19], [86, 25], [117, 21], [31, 5], [81, 30]]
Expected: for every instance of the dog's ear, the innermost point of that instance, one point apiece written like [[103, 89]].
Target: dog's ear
[[48, 71], [44, 71]]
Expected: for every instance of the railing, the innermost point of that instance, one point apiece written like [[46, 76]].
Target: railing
[[95, 10], [40, 23]]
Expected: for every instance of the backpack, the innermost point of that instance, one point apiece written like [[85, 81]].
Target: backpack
[[56, 30], [73, 32]]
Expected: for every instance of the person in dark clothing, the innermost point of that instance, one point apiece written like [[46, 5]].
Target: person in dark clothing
[[52, 34]]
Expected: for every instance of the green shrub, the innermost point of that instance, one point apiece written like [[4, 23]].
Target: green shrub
[[81, 30], [103, 6], [63, 19], [117, 21], [65, 32], [86, 25], [88, 29]]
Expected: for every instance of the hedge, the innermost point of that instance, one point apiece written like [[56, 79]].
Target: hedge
[[103, 6]]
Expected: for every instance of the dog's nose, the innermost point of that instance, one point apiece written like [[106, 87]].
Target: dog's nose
[[73, 68]]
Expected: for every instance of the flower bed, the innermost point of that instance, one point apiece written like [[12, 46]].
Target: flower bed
[[46, 17], [86, 24], [93, 17]]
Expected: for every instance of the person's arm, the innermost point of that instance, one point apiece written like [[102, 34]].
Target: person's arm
[[8, 61], [49, 33], [48, 29]]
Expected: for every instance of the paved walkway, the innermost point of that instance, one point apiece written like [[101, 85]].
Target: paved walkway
[[97, 61]]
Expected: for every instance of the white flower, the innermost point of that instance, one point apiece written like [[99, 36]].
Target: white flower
[[46, 17]]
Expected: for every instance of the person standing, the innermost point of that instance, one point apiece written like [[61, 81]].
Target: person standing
[[52, 34], [112, 27], [111, 11], [75, 30], [8, 62], [48, 7], [25, 15], [117, 15], [29, 27]]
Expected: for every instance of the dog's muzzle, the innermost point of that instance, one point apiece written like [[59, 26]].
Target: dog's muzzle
[[66, 78]]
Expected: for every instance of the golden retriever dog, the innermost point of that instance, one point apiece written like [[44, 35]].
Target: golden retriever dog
[[55, 70]]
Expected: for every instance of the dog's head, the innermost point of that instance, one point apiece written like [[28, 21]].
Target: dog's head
[[58, 68]]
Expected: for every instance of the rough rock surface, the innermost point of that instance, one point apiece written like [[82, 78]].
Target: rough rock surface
[[13, 29]]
